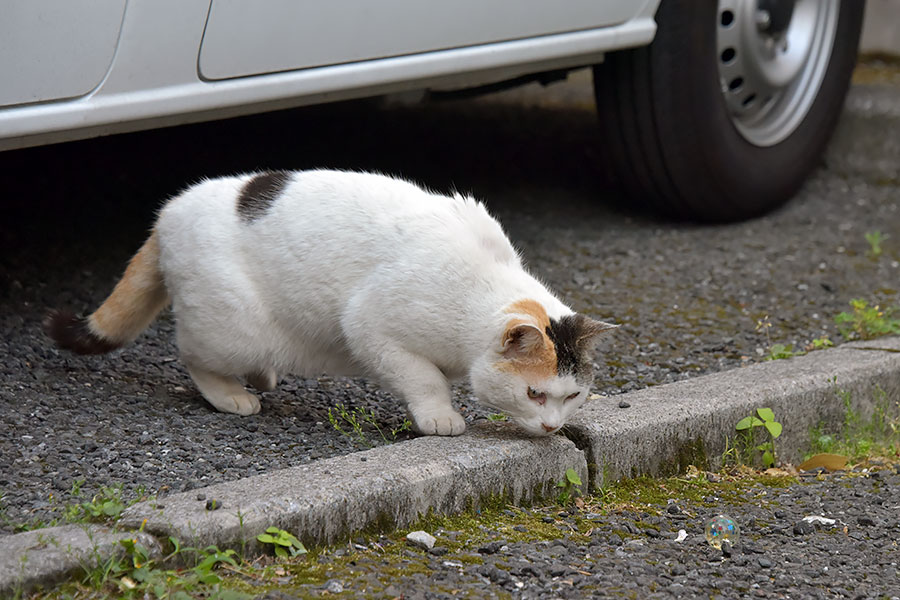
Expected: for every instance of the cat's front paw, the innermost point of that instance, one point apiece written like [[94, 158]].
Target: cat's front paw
[[239, 404], [444, 423]]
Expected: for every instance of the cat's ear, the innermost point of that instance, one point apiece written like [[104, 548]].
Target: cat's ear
[[589, 331], [521, 340]]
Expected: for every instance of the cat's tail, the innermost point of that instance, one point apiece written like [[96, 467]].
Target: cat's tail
[[132, 306]]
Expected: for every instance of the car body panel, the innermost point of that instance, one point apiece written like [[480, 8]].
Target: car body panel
[[55, 49], [154, 81], [267, 36]]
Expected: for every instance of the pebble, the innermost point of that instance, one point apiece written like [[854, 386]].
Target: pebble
[[557, 569], [624, 404], [764, 562], [421, 539], [491, 548], [333, 586], [803, 528]]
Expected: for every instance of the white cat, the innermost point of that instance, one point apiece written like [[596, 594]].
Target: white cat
[[350, 274]]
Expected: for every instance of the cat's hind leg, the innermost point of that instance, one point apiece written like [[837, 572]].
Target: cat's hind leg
[[263, 380], [225, 393]]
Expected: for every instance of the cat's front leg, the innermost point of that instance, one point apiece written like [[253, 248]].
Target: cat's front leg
[[422, 386]]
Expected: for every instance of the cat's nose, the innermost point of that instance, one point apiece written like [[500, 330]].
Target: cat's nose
[[548, 428]]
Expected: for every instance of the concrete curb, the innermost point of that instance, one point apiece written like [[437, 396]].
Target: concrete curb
[[668, 427], [665, 428], [389, 486]]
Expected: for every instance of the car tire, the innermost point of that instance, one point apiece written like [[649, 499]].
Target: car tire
[[672, 126]]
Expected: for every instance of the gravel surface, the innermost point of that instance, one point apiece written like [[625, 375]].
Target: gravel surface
[[689, 298], [634, 550]]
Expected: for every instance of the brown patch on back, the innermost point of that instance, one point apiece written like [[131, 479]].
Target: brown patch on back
[[539, 363], [258, 194], [136, 299]]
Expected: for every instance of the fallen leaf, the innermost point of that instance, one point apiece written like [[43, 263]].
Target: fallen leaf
[[776, 472], [831, 462]]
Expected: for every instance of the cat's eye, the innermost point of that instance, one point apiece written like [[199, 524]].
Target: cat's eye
[[572, 396], [539, 397]]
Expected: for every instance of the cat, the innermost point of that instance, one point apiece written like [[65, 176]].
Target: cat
[[347, 273]]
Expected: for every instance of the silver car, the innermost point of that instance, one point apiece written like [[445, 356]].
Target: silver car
[[713, 110]]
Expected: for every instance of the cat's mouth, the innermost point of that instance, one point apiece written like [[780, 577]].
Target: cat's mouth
[[535, 428]]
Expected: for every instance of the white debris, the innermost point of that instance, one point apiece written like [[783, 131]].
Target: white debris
[[421, 539], [682, 535], [816, 520]]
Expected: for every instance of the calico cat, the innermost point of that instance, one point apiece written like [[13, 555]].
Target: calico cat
[[345, 273]]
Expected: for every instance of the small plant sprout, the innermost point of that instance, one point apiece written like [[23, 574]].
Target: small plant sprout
[[866, 322], [780, 351], [765, 325], [354, 423], [284, 543], [875, 238], [497, 417], [764, 418], [106, 505], [819, 344], [570, 486]]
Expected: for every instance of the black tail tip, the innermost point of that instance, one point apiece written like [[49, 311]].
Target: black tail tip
[[72, 332]]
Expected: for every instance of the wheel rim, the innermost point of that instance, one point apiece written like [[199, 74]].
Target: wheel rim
[[771, 64]]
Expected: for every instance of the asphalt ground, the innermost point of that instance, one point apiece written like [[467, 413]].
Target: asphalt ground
[[691, 299]]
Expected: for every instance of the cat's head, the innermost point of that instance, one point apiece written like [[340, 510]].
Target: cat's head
[[541, 369]]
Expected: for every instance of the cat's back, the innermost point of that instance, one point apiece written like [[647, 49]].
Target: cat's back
[[335, 218], [379, 217]]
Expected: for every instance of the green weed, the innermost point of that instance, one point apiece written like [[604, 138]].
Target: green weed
[[134, 574], [820, 344], [497, 417], [358, 423], [569, 487], [746, 428], [866, 322], [875, 238], [858, 437], [106, 505], [779, 351], [283, 542]]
